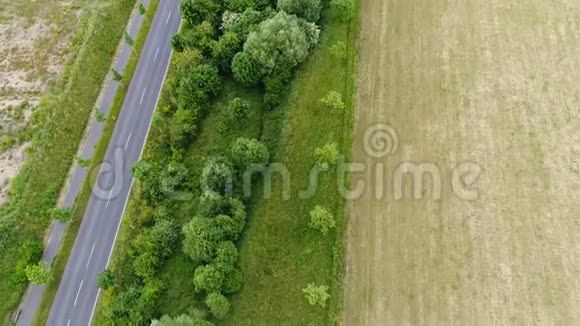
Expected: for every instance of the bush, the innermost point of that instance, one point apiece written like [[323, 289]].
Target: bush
[[316, 295], [28, 254], [326, 156], [224, 50], [344, 9], [321, 219], [39, 273], [208, 278], [106, 279], [338, 50], [280, 43], [333, 100], [218, 305], [276, 86], [238, 5], [238, 110], [247, 153], [196, 87], [183, 320], [307, 9], [196, 11], [217, 176]]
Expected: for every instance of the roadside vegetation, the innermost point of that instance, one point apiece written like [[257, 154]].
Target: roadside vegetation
[[249, 83], [55, 131]]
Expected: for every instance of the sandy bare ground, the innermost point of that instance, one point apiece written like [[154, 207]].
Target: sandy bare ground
[[496, 83], [34, 38]]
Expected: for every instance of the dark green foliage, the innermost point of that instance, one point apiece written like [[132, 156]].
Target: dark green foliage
[[224, 50], [218, 176], [246, 70], [344, 9], [307, 9], [61, 214], [152, 247], [276, 87], [218, 305], [247, 154], [183, 320], [238, 5], [208, 278], [196, 11], [182, 127], [106, 279], [28, 254], [242, 23], [238, 111], [200, 84], [136, 305]]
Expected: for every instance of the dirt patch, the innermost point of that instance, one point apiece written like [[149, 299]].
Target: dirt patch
[[495, 84], [34, 37]]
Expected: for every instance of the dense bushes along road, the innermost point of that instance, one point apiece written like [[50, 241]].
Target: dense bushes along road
[[231, 70]]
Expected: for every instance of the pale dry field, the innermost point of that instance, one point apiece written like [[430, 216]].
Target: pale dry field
[[34, 46], [492, 82]]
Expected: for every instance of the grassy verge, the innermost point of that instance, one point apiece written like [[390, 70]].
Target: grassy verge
[[280, 255], [57, 128], [100, 151]]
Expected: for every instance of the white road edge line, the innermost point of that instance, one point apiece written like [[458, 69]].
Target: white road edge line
[[143, 95], [68, 323], [128, 139], [156, 54], [78, 292], [132, 179], [168, 16], [91, 255]]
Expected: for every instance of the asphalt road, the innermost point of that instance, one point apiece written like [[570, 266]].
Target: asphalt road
[[78, 293]]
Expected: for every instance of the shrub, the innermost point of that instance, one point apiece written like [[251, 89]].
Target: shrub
[[29, 253], [208, 278], [326, 156], [39, 273], [238, 110], [245, 69], [276, 86], [217, 176], [344, 9], [106, 279], [307, 9], [246, 153], [238, 5], [201, 239], [333, 100], [338, 50], [321, 219], [183, 320], [316, 295], [224, 50], [218, 305], [196, 11], [200, 84]]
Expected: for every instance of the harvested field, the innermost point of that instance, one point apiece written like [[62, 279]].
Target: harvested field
[[496, 84]]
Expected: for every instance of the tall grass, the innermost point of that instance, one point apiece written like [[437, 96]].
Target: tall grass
[[57, 129]]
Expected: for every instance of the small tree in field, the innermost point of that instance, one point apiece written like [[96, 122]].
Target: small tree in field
[[316, 295], [338, 50], [142, 9], [321, 219], [129, 40], [333, 100], [61, 214], [218, 305], [39, 273], [326, 156], [238, 110], [106, 279], [344, 9]]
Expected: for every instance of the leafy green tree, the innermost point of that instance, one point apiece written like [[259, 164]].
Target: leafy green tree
[[232, 281], [224, 50], [142, 9], [226, 255], [333, 100], [173, 180], [275, 87], [61, 214], [241, 23], [316, 294], [208, 278], [178, 42], [307, 9], [281, 42], [246, 70], [326, 156], [201, 239], [217, 176], [83, 162], [28, 254], [238, 110], [153, 246], [100, 116], [182, 127], [246, 153], [39, 273], [106, 279], [198, 86], [344, 9], [196, 11], [129, 40], [321, 219], [218, 304]]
